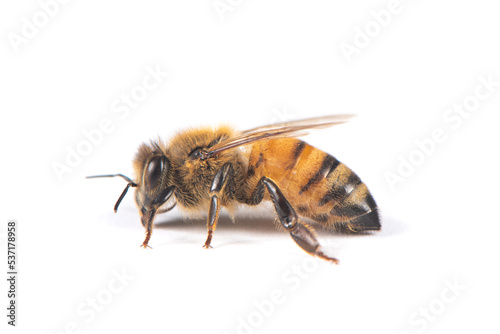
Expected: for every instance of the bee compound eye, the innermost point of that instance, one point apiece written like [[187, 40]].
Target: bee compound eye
[[155, 169]]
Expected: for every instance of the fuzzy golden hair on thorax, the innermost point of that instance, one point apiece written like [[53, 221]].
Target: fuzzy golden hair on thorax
[[191, 176], [181, 144]]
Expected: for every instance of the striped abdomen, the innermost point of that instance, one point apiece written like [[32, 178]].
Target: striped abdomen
[[317, 185]]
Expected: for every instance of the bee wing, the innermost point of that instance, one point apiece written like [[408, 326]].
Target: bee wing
[[280, 130]]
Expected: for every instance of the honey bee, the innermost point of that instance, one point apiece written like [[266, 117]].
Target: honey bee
[[206, 169]]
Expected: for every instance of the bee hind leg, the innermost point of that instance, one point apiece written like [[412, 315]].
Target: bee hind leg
[[302, 234]]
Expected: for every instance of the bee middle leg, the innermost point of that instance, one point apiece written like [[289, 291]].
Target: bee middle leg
[[302, 234], [222, 177]]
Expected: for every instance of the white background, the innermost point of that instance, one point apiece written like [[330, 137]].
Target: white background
[[255, 64]]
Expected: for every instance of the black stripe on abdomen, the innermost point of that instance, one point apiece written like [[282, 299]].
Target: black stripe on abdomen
[[327, 167], [299, 148], [340, 190]]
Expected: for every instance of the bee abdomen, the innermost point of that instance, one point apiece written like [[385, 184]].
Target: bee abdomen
[[347, 202], [318, 185]]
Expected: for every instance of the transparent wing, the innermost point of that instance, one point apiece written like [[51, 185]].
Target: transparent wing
[[280, 130]]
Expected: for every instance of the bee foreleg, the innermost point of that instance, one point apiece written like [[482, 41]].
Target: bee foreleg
[[220, 180], [147, 222], [213, 217], [302, 234]]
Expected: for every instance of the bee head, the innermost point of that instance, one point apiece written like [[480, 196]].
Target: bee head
[[154, 174]]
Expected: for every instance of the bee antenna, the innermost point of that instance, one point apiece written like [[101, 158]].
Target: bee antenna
[[126, 178], [124, 192]]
